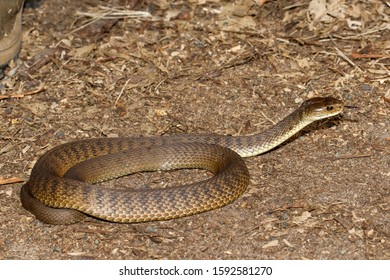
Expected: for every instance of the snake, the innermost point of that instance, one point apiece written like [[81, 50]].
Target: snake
[[63, 189]]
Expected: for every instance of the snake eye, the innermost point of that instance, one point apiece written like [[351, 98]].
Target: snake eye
[[329, 108]]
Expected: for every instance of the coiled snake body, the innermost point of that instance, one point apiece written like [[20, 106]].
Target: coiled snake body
[[61, 190]]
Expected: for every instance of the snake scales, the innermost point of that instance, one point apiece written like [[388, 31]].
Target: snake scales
[[61, 190]]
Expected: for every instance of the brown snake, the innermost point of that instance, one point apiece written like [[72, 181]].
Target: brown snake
[[61, 190]]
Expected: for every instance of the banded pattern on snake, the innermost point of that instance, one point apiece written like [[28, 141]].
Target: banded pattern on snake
[[61, 187]]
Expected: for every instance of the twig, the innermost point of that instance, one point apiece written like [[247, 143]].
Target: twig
[[346, 58], [267, 118], [121, 92], [23, 94], [368, 55], [12, 180]]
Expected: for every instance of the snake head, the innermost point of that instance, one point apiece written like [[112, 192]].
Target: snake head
[[318, 108]]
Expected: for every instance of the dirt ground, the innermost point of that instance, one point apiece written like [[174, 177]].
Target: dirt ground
[[96, 69]]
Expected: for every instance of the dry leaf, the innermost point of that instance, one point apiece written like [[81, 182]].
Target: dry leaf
[[83, 51], [325, 10], [301, 219]]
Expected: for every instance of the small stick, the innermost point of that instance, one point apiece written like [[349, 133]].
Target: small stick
[[12, 180], [23, 94], [368, 55]]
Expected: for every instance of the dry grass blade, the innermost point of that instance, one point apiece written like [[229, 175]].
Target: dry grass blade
[[114, 13], [109, 13]]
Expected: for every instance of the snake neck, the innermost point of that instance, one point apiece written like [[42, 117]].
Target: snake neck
[[274, 136]]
